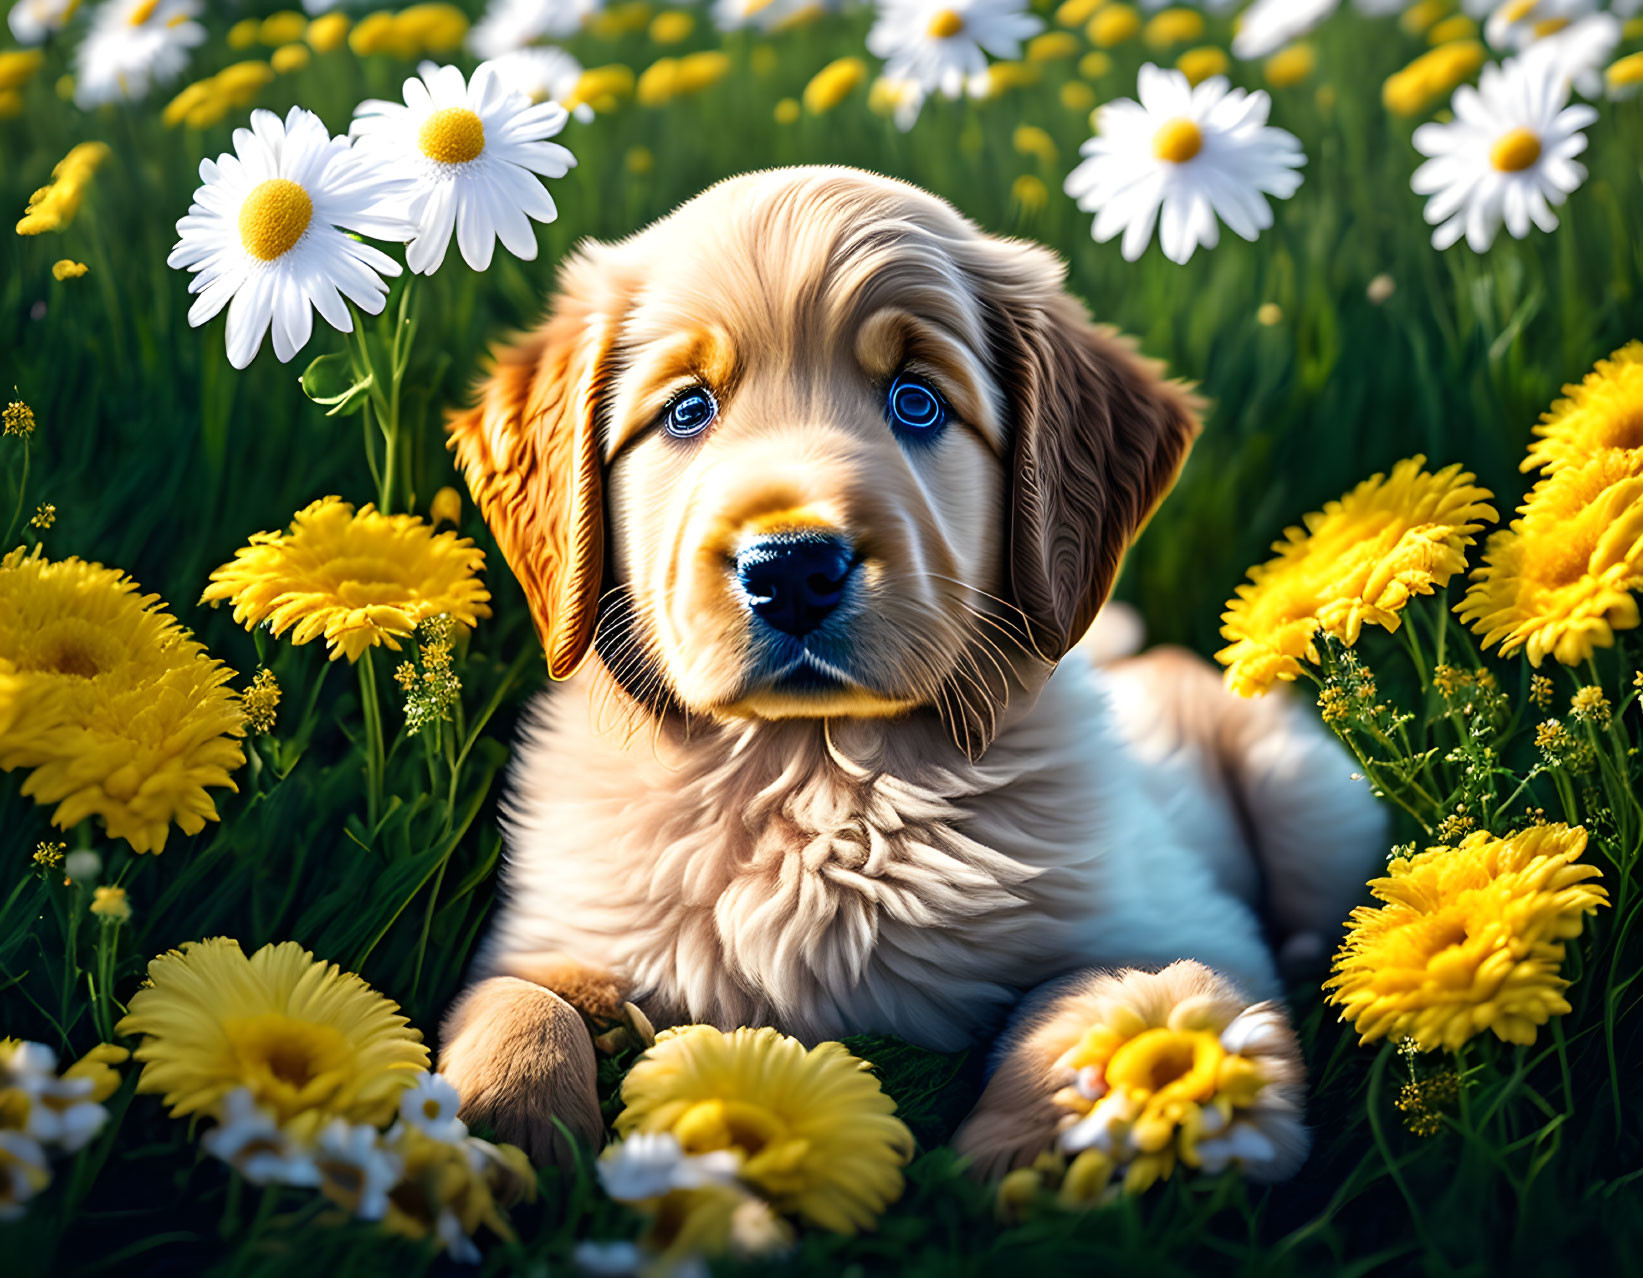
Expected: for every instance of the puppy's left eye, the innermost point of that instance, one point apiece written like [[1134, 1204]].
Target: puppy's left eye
[[914, 406], [690, 412]]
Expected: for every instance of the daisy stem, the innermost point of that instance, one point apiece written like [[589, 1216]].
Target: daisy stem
[[371, 709]]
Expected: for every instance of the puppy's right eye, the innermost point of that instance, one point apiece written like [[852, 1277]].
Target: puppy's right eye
[[690, 412]]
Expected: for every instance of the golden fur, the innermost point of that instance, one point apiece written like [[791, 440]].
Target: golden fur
[[961, 815]]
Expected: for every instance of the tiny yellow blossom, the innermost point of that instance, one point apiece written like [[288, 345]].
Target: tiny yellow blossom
[[54, 205], [328, 32], [1078, 97], [1172, 27], [1094, 65], [1419, 17], [638, 161], [787, 111], [1289, 67], [1591, 706], [1432, 76], [289, 57], [1455, 27], [1201, 63], [17, 67], [261, 702], [833, 84], [67, 269], [45, 515], [49, 855], [1029, 194], [111, 903], [17, 418], [1625, 77], [446, 507], [243, 34], [11, 104], [1029, 139], [1052, 46], [1269, 315], [672, 27], [1075, 13], [282, 28], [1112, 25]]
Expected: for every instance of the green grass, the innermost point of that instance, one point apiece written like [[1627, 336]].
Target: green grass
[[162, 460]]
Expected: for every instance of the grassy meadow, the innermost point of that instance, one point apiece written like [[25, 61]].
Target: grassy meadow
[[1335, 345]]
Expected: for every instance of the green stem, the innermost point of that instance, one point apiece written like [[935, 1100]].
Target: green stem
[[371, 710], [22, 492]]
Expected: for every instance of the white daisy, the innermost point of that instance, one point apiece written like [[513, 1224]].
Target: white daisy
[[265, 235], [1583, 50], [1181, 157], [356, 1170], [1517, 24], [250, 1139], [512, 24], [33, 21], [543, 74], [617, 1259], [765, 15], [23, 1172], [1507, 157], [430, 1105], [1268, 25], [942, 45], [469, 150], [132, 46], [650, 1164]]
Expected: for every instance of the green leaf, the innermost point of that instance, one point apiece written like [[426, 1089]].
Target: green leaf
[[332, 381]]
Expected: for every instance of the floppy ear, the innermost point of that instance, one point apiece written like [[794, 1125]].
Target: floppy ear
[[1099, 437], [530, 453]]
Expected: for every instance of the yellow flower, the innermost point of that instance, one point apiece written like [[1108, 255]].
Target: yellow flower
[[1173, 26], [1078, 97], [17, 66], [119, 714], [1269, 315], [1456, 26], [67, 269], [1029, 194], [1112, 25], [1625, 76], [1432, 76], [638, 161], [1357, 561], [1075, 13], [243, 34], [282, 28], [1052, 46], [98, 1065], [111, 903], [1094, 65], [446, 507], [1467, 939], [833, 84], [306, 1038], [1558, 582], [1029, 139], [17, 419], [1175, 1066], [49, 855], [698, 71], [672, 27], [1604, 411], [327, 32], [1199, 64], [289, 58], [441, 1194], [261, 702], [11, 104], [54, 205], [1289, 67], [359, 579], [816, 1133], [788, 111], [1418, 17], [602, 88], [716, 1220]]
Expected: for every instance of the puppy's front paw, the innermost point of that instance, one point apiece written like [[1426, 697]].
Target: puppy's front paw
[[521, 1057], [1145, 1069]]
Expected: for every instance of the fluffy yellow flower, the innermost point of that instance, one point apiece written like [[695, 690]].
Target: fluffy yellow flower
[[1175, 1066], [306, 1038], [54, 205], [1559, 581], [360, 579], [119, 714], [1357, 561], [442, 1193], [112, 903], [1604, 411], [816, 1133], [833, 84], [1468, 939], [1432, 76]]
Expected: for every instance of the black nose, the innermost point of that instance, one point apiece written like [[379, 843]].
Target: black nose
[[793, 583]]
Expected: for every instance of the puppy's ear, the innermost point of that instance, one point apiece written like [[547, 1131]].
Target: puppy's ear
[[1099, 437], [530, 453]]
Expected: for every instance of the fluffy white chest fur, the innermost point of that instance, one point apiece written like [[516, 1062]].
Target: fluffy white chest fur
[[854, 878]]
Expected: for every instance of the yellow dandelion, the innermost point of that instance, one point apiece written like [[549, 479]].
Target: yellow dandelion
[[282, 28], [1200, 64], [1075, 13], [306, 1038], [1172, 1067], [1029, 139], [446, 507], [1604, 411], [787, 111], [360, 579], [328, 31], [1078, 97], [1094, 65], [672, 26], [54, 205], [1029, 194], [816, 1133], [1624, 77], [1433, 76], [1357, 561], [1419, 17], [639, 160], [1455, 27], [1173, 26], [289, 58], [1559, 581], [1467, 939], [67, 268], [1112, 25], [1052, 46], [119, 714], [1289, 67], [111, 903], [833, 84]]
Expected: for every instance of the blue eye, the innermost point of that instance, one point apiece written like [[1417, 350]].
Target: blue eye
[[690, 413], [914, 406]]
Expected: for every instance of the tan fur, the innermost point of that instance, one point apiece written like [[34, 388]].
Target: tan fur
[[521, 1058], [963, 816]]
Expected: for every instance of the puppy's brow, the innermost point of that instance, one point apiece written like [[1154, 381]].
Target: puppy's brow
[[657, 370], [893, 337]]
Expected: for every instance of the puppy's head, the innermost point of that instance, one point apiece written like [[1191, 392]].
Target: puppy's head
[[815, 445]]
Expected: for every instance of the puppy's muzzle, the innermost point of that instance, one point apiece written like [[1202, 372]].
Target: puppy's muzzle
[[793, 583]]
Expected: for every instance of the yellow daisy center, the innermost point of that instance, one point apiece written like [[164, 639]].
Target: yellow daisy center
[[452, 135], [430, 1108], [274, 217], [143, 12], [1178, 141], [1515, 151], [944, 25], [289, 1064], [1549, 26], [727, 1124]]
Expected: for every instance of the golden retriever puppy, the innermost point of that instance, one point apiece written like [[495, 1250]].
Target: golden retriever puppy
[[813, 488]]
